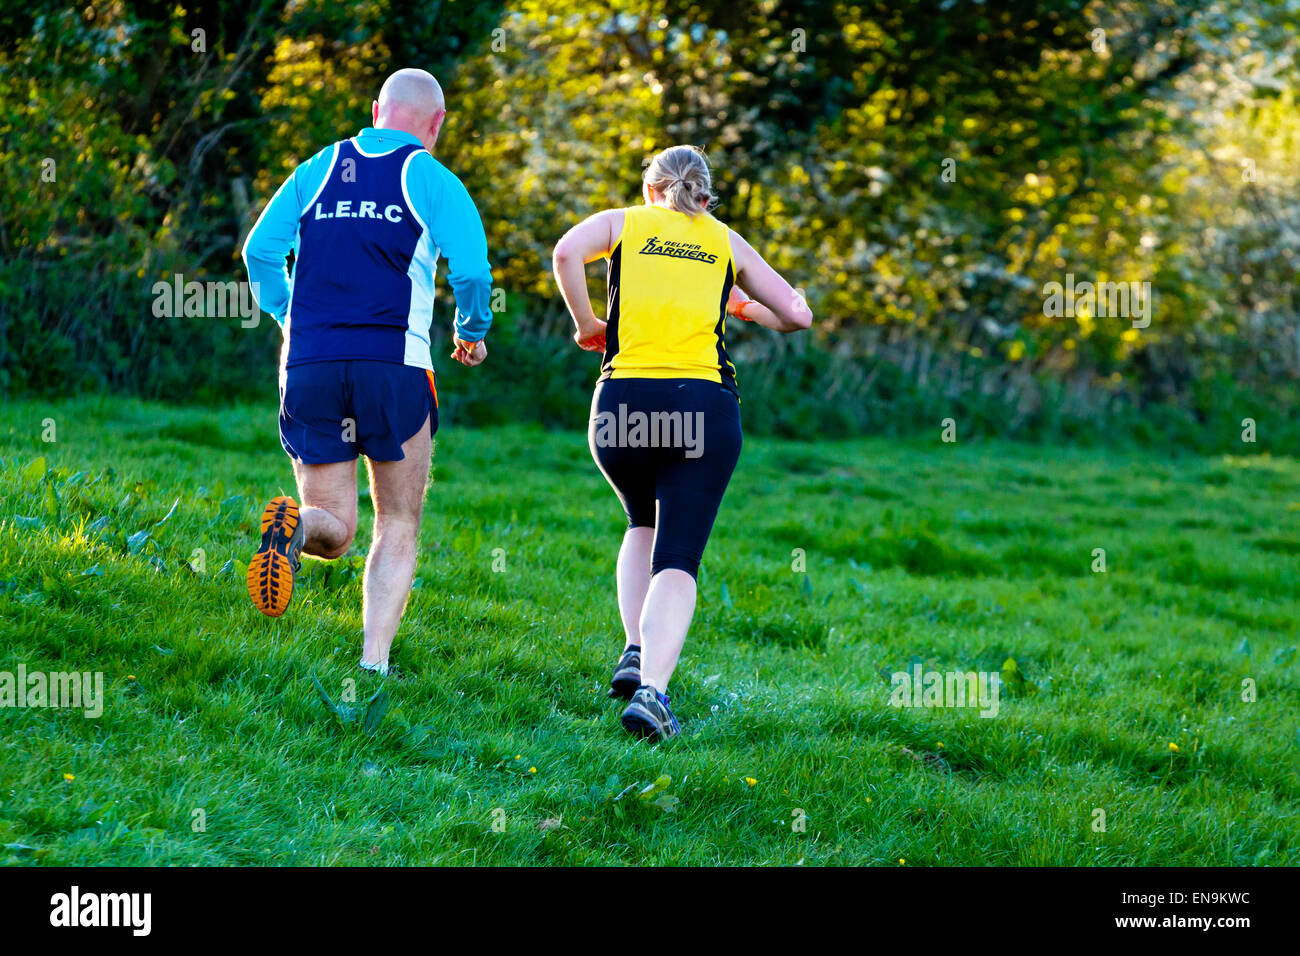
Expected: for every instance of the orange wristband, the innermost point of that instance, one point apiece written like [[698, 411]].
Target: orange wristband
[[740, 311]]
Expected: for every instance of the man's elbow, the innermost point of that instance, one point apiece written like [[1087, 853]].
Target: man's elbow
[[253, 254]]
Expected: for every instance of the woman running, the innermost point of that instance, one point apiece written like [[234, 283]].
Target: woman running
[[665, 418]]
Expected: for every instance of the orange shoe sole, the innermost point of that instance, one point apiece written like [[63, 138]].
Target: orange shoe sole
[[270, 573]]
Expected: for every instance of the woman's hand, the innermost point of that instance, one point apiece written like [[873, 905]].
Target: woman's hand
[[742, 306], [736, 302], [590, 335]]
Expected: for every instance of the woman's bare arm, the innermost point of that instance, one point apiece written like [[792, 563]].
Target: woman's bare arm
[[593, 238], [776, 305]]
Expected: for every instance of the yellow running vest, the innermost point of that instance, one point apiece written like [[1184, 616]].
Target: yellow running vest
[[669, 278]]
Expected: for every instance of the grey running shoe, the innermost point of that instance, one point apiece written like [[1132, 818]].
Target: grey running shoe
[[648, 715], [627, 674]]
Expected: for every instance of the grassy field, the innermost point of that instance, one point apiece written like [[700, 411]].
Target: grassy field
[[229, 738]]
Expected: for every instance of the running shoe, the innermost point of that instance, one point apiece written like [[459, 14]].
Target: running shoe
[[627, 674], [648, 715], [272, 570]]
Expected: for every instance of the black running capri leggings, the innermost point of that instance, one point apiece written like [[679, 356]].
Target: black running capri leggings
[[668, 447]]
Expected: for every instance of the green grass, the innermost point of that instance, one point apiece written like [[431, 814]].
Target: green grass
[[958, 556]]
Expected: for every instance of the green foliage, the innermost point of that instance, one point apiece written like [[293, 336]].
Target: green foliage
[[920, 170]]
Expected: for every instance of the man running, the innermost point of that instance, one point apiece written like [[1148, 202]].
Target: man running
[[366, 219]]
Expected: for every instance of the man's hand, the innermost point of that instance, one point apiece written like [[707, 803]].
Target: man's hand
[[591, 336], [469, 353]]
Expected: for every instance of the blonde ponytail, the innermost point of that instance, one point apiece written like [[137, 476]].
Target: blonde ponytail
[[681, 175]]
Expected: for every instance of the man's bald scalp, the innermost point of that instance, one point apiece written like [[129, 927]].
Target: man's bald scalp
[[411, 90], [411, 101]]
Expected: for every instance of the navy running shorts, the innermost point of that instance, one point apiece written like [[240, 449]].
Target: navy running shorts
[[335, 411]]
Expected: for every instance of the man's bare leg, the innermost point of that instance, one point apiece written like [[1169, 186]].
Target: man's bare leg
[[397, 489], [328, 496]]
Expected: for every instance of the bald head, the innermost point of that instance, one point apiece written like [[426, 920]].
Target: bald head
[[411, 100]]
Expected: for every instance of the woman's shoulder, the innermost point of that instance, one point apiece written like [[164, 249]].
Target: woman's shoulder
[[616, 216], [718, 224], [721, 226]]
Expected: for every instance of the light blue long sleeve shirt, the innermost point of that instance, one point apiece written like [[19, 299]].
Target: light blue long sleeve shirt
[[440, 203]]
